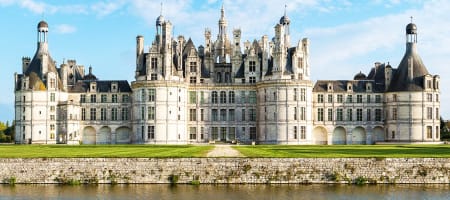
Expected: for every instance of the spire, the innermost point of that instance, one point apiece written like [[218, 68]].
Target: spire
[[222, 23]]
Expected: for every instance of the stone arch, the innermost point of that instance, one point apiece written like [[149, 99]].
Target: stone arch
[[123, 134], [320, 135], [104, 135], [378, 134], [89, 135], [339, 135], [359, 135]]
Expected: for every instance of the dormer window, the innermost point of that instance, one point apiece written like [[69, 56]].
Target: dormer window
[[349, 87], [330, 87], [114, 87], [368, 87]]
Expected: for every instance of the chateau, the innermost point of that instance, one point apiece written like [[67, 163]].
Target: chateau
[[226, 90]]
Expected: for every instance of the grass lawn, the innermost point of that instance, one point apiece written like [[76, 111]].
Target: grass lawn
[[103, 151], [346, 151]]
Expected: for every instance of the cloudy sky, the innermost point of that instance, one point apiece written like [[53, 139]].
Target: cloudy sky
[[346, 36]]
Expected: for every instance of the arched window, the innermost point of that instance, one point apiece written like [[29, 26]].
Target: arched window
[[223, 97]]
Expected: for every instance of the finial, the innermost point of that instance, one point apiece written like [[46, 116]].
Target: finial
[[90, 69], [161, 11], [222, 10], [285, 9], [411, 19]]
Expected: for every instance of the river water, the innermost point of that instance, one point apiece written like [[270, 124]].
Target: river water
[[219, 192]]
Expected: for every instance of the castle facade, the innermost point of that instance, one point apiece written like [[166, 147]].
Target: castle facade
[[226, 90]]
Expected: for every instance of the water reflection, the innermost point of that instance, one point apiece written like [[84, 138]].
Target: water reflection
[[219, 192]]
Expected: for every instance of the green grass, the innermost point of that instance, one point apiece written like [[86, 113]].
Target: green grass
[[103, 151], [346, 151]]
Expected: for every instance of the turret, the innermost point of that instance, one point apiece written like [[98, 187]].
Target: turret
[[139, 54]]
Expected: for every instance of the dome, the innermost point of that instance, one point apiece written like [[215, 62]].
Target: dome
[[360, 76], [285, 20], [42, 24], [159, 20], [411, 28]]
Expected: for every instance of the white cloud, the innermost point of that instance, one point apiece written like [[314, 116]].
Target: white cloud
[[106, 8], [65, 29]]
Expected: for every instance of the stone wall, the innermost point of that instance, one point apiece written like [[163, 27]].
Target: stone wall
[[225, 170]]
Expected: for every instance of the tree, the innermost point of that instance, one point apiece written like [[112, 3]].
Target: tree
[[445, 133]]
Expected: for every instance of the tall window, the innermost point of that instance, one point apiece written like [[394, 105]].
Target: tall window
[[394, 113], [340, 98], [125, 98], [192, 115], [154, 63], [368, 98], [231, 115], [93, 98], [214, 97], [193, 66], [330, 98], [192, 97], [349, 115], [320, 98], [114, 98], [103, 98], [252, 66], [223, 97], [320, 114], [202, 114], [252, 97], [142, 112], [114, 114], [429, 113], [429, 97], [214, 133], [93, 114], [192, 133], [142, 95], [103, 114], [295, 113], [52, 83], [223, 115], [302, 132], [243, 115], [83, 113], [330, 114], [214, 115], [378, 115], [202, 97], [252, 114], [302, 94], [358, 98], [339, 114], [302, 113], [377, 98], [429, 132], [124, 114], [295, 132], [231, 97], [52, 97], [151, 132], [369, 115], [295, 94], [151, 113], [252, 133], [232, 133], [437, 114], [349, 98], [83, 98], [243, 97], [151, 95], [359, 114]]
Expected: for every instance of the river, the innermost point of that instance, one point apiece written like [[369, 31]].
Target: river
[[219, 192]]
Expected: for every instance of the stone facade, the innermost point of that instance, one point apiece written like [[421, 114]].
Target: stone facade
[[227, 90], [226, 170]]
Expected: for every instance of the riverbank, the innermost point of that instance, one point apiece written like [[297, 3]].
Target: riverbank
[[224, 170]]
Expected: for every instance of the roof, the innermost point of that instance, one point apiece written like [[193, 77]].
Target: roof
[[42, 24], [102, 86], [341, 85]]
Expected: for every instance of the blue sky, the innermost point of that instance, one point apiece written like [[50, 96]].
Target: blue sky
[[346, 36]]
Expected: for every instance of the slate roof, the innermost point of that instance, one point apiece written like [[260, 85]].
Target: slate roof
[[102, 86]]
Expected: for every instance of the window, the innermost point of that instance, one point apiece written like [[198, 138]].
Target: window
[[93, 98], [428, 83], [295, 94], [252, 79], [151, 95], [193, 66], [369, 115], [302, 132], [83, 98], [142, 112], [52, 117], [349, 115], [429, 132], [349, 98], [52, 97], [302, 113], [202, 97], [125, 98], [223, 115], [243, 97], [103, 98], [52, 83], [214, 115], [359, 114], [142, 95], [320, 114], [192, 133], [223, 97], [437, 132], [151, 132], [154, 63], [340, 98], [202, 113], [214, 133], [368, 98], [243, 115], [295, 132], [114, 98], [429, 113], [202, 133], [377, 98], [430, 97], [192, 79], [93, 114], [124, 113], [252, 97], [330, 114], [232, 133], [192, 97], [358, 98], [252, 114], [295, 113], [378, 115], [151, 113], [330, 98], [252, 133], [52, 127], [214, 97], [153, 77], [114, 114], [251, 66], [231, 97], [52, 109], [339, 115], [320, 98], [192, 115], [437, 114], [394, 113], [231, 115], [103, 114], [394, 97], [303, 94], [437, 97]]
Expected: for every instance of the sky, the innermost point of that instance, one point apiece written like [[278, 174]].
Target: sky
[[346, 36]]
